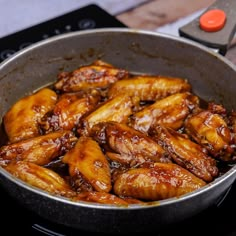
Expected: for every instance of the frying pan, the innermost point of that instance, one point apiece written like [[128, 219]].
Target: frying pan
[[212, 77]]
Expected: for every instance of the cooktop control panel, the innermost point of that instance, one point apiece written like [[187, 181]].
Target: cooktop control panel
[[88, 17]]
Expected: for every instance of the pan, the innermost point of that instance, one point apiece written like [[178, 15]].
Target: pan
[[212, 77]]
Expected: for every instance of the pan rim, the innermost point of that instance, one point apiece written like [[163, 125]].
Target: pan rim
[[114, 30]]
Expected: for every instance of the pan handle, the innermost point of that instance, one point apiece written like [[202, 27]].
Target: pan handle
[[218, 38]]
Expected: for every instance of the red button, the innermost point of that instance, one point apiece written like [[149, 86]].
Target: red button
[[213, 20]]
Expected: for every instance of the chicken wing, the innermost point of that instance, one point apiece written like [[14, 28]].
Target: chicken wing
[[99, 75], [68, 111], [116, 109], [211, 131], [100, 197], [149, 88], [40, 177], [162, 181], [21, 121], [232, 121], [87, 158], [186, 153], [127, 145], [39, 150], [170, 111]]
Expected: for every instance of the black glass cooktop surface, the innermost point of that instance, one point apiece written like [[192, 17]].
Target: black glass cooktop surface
[[217, 220], [88, 17]]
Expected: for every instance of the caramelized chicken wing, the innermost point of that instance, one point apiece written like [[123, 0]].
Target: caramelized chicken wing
[[232, 120], [162, 181], [116, 109], [99, 75], [40, 177], [21, 121], [186, 153], [39, 150], [211, 131], [149, 88], [127, 145], [100, 197], [88, 159], [217, 109], [68, 111], [170, 111]]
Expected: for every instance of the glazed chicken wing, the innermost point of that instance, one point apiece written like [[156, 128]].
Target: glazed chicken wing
[[100, 197], [68, 111], [87, 158], [170, 111], [21, 121], [116, 109], [162, 181], [149, 88], [39, 150], [40, 177], [211, 131], [232, 119], [127, 145], [87, 77], [186, 153]]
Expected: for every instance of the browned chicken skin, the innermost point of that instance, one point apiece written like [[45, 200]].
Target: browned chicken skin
[[87, 158], [21, 121], [127, 145], [186, 153], [39, 150], [87, 77], [116, 109], [101, 197], [149, 88], [163, 180], [40, 177], [232, 121], [211, 131], [68, 111], [170, 111]]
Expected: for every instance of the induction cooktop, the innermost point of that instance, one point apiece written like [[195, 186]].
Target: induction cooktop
[[88, 17]]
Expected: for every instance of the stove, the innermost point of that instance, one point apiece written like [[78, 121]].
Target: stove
[[216, 220], [88, 17]]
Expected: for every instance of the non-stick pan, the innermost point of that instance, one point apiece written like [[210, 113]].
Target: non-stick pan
[[212, 77]]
